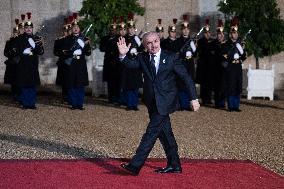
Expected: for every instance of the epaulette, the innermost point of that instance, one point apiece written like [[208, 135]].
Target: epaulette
[[60, 37], [225, 41]]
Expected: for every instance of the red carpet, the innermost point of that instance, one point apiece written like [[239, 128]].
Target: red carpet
[[106, 173]]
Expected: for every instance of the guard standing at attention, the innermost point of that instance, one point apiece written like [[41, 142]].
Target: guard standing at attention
[[28, 47]]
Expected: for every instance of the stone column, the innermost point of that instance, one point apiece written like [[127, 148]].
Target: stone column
[[6, 29]]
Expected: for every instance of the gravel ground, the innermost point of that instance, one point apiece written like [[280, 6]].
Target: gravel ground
[[103, 130]]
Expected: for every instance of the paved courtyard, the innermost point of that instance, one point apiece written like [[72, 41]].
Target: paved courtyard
[[103, 130]]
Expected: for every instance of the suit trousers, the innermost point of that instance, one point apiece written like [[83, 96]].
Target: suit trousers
[[158, 127]]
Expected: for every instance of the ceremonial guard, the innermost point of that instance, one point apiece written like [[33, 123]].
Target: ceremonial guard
[[187, 52], [160, 30], [218, 70], [21, 24], [234, 55], [110, 68], [204, 65], [75, 47], [27, 47], [170, 44], [131, 77], [119, 97], [11, 62], [57, 51]]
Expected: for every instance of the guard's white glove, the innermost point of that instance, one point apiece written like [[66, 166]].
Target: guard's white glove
[[195, 105], [193, 47], [236, 56], [31, 42], [81, 43], [77, 52], [225, 64], [27, 51], [240, 48], [188, 54], [133, 51], [138, 41]]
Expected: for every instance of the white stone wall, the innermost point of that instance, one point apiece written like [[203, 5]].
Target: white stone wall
[[5, 20], [44, 12]]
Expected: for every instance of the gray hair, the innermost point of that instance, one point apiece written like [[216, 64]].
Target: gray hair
[[147, 34]]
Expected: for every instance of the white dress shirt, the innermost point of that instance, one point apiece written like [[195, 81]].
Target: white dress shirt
[[157, 60]]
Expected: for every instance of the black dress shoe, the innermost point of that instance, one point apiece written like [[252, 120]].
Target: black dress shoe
[[135, 108], [169, 169], [25, 107], [33, 107], [80, 108], [73, 108], [29, 107], [220, 107], [237, 110], [130, 169]]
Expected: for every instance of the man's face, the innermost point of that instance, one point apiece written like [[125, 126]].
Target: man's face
[[122, 32], [131, 31], [28, 30], [234, 35], [220, 36], [69, 31], [113, 31], [173, 34], [15, 33], [65, 33], [185, 32], [152, 43], [161, 34], [21, 30], [207, 35], [75, 29]]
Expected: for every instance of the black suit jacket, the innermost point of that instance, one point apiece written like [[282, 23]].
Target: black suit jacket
[[161, 89]]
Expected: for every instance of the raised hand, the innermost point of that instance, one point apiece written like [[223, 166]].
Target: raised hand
[[122, 47]]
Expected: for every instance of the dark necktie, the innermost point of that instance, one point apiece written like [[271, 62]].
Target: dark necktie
[[152, 64]]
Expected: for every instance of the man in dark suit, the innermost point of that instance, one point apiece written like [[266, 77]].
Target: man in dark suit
[[160, 69]]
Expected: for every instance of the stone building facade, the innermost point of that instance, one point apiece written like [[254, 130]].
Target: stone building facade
[[50, 13]]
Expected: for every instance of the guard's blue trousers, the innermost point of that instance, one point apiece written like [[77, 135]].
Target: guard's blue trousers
[[27, 96], [129, 98], [233, 102], [76, 96]]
